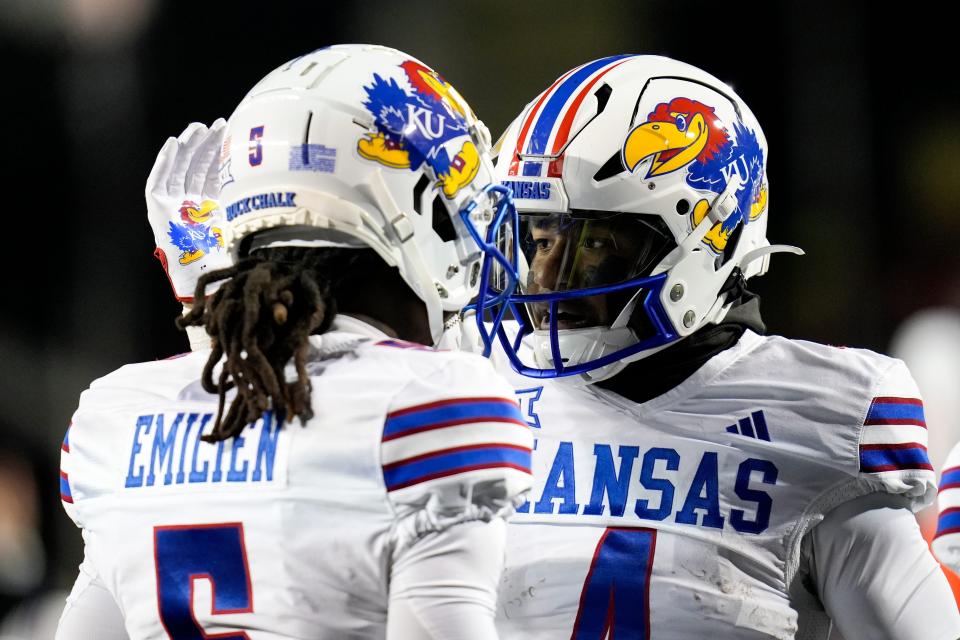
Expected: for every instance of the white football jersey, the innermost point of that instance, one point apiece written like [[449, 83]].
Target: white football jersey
[[946, 541], [682, 517], [289, 530]]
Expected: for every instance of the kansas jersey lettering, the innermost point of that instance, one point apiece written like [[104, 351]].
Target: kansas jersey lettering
[[286, 531], [682, 517]]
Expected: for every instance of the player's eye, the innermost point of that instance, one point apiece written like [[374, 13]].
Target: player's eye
[[543, 245], [597, 243]]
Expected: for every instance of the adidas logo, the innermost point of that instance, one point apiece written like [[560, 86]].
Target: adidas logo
[[753, 427]]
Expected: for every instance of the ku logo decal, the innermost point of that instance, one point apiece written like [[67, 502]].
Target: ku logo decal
[[415, 126], [686, 134], [196, 237]]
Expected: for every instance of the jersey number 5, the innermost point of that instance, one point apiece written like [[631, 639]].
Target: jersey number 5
[[185, 554], [615, 602]]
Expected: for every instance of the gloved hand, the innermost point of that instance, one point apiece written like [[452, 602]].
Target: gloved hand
[[183, 210]]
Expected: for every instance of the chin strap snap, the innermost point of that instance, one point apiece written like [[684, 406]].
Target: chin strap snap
[[726, 202]]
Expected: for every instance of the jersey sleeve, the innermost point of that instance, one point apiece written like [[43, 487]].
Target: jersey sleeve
[[66, 469], [893, 440], [426, 603], [455, 447], [946, 541], [875, 576], [90, 610], [86, 454]]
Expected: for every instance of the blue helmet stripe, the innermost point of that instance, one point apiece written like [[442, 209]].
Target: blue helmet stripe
[[551, 111]]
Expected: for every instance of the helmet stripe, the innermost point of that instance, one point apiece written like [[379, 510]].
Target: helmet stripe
[[543, 120], [515, 161], [556, 166], [551, 111]]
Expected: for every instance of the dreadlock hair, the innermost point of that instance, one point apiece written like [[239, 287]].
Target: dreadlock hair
[[260, 319]]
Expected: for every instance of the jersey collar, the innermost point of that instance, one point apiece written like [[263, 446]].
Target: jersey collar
[[346, 333], [700, 379], [343, 323]]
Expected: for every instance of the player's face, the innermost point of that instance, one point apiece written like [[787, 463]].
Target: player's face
[[566, 253]]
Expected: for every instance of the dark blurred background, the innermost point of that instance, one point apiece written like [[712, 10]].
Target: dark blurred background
[[860, 109]]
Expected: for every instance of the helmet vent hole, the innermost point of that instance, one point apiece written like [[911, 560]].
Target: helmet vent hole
[[603, 96], [442, 223], [683, 207], [418, 190], [612, 167]]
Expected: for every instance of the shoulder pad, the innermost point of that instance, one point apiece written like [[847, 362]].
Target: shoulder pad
[[455, 444], [893, 439]]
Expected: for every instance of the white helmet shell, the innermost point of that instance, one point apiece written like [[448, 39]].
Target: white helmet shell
[[363, 146], [652, 136]]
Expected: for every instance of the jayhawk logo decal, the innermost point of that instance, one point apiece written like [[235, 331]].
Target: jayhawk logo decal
[[687, 134], [413, 126], [195, 237]]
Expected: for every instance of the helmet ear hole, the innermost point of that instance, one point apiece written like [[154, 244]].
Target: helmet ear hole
[[442, 222], [683, 207]]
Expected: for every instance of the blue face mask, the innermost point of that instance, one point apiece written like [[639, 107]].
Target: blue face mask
[[494, 296], [583, 271]]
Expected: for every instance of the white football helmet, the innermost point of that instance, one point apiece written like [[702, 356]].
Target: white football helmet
[[365, 146], [642, 191]]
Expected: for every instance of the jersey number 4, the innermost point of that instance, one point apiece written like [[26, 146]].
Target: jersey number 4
[[213, 552], [615, 602]]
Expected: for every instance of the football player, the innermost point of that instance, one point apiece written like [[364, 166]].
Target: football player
[[353, 181], [694, 477]]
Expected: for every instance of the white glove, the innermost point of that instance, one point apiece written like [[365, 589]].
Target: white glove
[[183, 210]]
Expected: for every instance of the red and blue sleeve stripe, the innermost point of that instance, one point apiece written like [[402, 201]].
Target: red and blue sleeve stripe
[[65, 493], [875, 458], [65, 446], [448, 413], [889, 410], [948, 522], [950, 478], [447, 462]]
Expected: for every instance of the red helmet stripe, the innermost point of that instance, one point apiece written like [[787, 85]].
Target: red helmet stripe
[[521, 139], [556, 166]]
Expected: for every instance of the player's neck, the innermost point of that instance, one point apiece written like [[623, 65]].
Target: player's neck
[[376, 293], [373, 322], [648, 378]]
